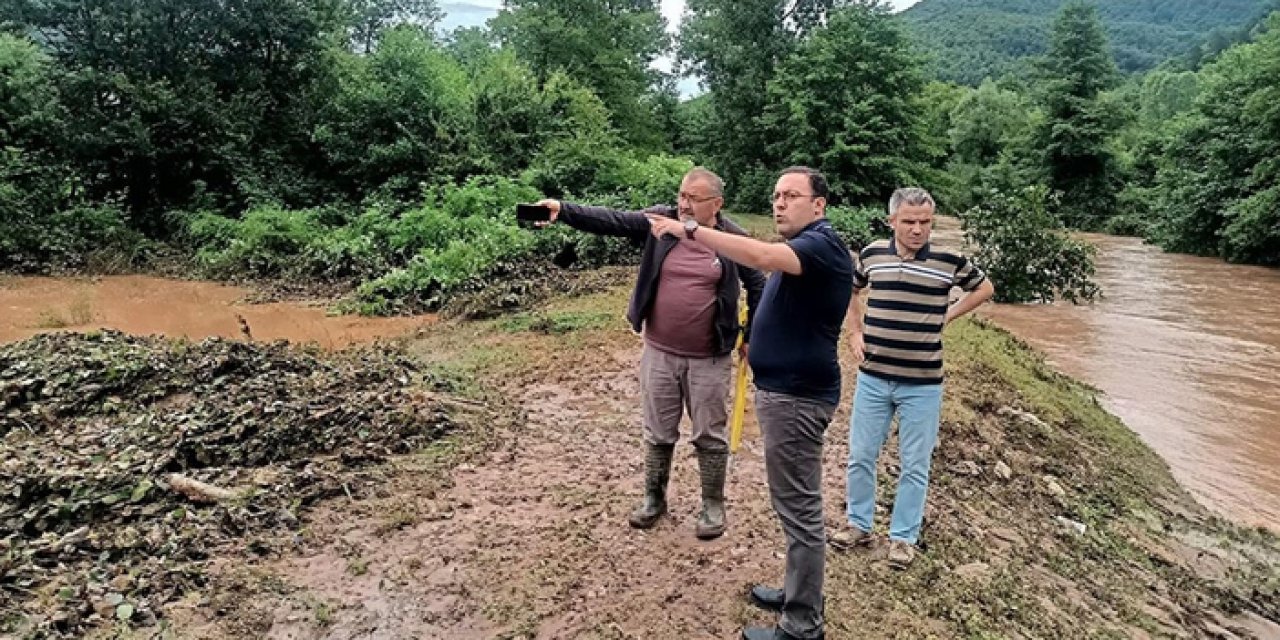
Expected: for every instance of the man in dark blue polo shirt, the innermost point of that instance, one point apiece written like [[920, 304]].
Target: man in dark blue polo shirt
[[797, 376]]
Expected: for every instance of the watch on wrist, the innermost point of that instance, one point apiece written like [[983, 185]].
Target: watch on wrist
[[690, 226]]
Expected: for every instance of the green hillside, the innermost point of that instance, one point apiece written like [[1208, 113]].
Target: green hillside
[[971, 39]]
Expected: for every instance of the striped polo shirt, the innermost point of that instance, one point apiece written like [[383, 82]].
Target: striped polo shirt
[[907, 308]]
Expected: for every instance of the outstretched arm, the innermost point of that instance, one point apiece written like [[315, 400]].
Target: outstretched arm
[[767, 256], [597, 220]]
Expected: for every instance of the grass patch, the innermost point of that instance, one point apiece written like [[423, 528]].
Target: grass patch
[[758, 225], [555, 322], [80, 312], [323, 612], [358, 567], [77, 313], [50, 319]]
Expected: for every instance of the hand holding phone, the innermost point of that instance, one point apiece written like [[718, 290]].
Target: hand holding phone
[[540, 214]]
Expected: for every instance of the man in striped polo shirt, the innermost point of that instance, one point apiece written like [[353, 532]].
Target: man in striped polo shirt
[[900, 345]]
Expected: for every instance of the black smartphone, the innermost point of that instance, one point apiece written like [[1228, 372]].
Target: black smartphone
[[528, 214]]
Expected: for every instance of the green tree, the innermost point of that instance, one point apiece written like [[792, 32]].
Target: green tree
[[29, 119], [402, 117], [1078, 126], [1165, 94], [517, 119], [990, 138], [970, 40], [512, 114], [369, 18], [1025, 249], [1219, 182], [695, 129], [987, 122], [1162, 96], [608, 46], [939, 100], [471, 46], [582, 145], [734, 46], [44, 218], [848, 102], [30, 115], [172, 103]]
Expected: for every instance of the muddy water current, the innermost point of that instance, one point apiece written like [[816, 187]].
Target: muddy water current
[[1187, 352], [148, 305]]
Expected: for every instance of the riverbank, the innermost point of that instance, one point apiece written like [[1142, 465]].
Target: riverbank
[[515, 526]]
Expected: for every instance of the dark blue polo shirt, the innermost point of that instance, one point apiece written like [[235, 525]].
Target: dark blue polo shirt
[[794, 335]]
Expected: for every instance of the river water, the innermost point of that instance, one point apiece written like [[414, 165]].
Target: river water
[[149, 305], [1187, 352]]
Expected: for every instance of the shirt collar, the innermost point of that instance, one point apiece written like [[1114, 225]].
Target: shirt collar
[[921, 255], [815, 224]]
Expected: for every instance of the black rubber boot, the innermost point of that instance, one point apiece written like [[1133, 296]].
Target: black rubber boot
[[657, 470], [711, 466]]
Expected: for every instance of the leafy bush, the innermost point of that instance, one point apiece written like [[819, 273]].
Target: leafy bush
[[858, 227], [460, 237], [435, 272], [640, 183], [1026, 251], [265, 243], [42, 228]]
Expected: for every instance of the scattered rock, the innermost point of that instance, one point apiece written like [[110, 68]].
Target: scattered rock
[[973, 570], [1007, 535], [1051, 485], [122, 582], [1026, 417], [1070, 526], [966, 468], [1003, 471]]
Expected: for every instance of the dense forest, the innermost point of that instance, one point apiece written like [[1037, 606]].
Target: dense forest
[[353, 141], [969, 40]]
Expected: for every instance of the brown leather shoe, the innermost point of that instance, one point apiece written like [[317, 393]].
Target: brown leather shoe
[[901, 554], [850, 538]]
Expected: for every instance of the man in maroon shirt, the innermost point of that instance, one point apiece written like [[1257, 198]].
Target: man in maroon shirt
[[686, 304]]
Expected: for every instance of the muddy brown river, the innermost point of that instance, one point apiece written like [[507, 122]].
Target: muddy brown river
[[148, 305], [1187, 352]]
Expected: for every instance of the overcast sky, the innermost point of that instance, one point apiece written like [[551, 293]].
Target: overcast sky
[[475, 12]]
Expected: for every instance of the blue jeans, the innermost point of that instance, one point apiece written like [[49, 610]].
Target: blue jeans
[[919, 408]]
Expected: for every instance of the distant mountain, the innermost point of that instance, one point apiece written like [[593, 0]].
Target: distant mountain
[[972, 39]]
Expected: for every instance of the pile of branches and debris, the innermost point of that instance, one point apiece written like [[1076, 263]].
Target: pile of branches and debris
[[125, 462]]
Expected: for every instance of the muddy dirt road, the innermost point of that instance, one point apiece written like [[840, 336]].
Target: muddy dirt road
[[523, 533]]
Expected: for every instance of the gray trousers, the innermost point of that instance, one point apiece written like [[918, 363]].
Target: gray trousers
[[672, 384], [793, 429]]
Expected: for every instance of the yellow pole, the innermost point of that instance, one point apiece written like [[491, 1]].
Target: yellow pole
[[740, 391]]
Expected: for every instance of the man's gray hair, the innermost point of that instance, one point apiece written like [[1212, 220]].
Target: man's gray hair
[[703, 173], [911, 196]]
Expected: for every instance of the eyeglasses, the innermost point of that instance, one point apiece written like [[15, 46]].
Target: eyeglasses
[[791, 196], [695, 200]]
